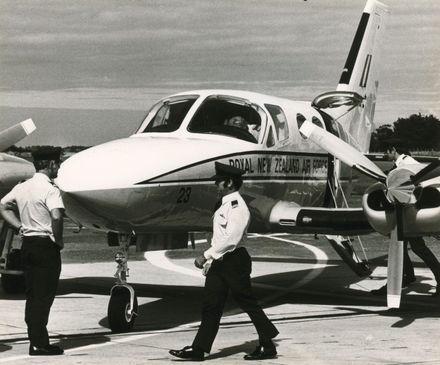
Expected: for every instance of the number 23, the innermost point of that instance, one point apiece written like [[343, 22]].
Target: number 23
[[184, 194]]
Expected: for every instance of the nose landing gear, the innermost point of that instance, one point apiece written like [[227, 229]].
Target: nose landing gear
[[123, 305]]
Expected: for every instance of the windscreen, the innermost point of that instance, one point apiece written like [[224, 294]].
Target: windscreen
[[167, 115], [228, 116]]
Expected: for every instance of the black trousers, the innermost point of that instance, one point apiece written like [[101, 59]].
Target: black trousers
[[42, 268], [230, 274], [420, 249]]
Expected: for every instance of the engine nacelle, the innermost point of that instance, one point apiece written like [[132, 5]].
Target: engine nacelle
[[420, 219]]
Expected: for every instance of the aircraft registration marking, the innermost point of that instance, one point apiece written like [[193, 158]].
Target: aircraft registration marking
[[284, 165], [257, 165]]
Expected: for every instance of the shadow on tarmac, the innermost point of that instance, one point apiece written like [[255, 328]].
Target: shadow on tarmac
[[178, 305]]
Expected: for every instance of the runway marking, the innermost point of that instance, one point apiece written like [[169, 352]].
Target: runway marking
[[317, 268], [158, 258]]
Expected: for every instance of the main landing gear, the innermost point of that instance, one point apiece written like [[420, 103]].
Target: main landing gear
[[123, 305], [12, 277]]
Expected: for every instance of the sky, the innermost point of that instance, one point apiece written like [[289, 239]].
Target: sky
[[87, 72]]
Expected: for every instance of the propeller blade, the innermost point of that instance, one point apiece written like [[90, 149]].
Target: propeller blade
[[429, 172], [394, 271], [341, 150], [17, 132]]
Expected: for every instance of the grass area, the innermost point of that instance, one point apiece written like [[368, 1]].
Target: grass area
[[425, 153]]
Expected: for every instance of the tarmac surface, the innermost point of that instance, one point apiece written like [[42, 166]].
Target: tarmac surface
[[324, 312]]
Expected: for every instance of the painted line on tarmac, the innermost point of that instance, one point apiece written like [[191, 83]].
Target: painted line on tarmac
[[114, 340], [159, 259], [317, 268]]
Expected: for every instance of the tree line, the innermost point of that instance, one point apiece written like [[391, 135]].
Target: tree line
[[417, 132]]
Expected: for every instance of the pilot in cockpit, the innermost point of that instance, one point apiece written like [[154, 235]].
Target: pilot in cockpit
[[237, 121], [240, 122]]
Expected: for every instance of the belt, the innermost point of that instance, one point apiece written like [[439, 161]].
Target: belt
[[36, 238], [229, 253]]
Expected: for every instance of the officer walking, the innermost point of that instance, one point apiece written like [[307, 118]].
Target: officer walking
[[35, 209], [227, 266]]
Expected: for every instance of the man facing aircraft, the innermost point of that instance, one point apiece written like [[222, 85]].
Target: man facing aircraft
[[227, 266], [35, 209]]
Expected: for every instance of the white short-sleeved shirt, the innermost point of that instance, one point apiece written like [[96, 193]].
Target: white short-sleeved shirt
[[35, 198], [231, 221]]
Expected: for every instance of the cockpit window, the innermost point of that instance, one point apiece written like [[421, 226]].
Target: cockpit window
[[280, 121], [167, 115], [317, 121], [228, 116], [300, 119]]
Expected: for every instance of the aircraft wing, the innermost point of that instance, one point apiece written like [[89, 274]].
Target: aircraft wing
[[16, 133]]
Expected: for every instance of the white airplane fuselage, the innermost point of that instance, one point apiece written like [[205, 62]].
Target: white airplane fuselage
[[162, 181]]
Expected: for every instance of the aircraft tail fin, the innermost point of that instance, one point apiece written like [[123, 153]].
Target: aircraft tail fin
[[14, 134], [359, 82]]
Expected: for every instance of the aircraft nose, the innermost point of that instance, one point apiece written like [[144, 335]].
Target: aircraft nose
[[112, 165], [99, 184]]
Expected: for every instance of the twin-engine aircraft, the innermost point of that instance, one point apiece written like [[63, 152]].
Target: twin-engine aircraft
[[12, 171], [157, 185]]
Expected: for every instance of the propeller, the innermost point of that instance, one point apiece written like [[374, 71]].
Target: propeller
[[16, 133], [398, 188]]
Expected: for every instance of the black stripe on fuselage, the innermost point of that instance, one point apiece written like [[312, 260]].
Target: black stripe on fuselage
[[238, 154], [246, 179], [353, 54]]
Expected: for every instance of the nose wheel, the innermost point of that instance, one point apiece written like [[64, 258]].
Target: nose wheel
[[123, 304], [122, 308]]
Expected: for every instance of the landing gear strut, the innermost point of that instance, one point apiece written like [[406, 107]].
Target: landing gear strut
[[123, 305], [12, 277]]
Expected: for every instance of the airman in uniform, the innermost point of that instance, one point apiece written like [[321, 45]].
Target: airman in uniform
[[40, 223], [227, 267]]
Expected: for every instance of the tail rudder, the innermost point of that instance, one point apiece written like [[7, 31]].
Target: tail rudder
[[359, 81]]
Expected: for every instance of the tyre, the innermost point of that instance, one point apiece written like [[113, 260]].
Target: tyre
[[118, 317], [13, 284]]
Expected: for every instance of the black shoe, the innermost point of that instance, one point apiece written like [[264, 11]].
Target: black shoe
[[189, 353], [49, 350], [262, 353]]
